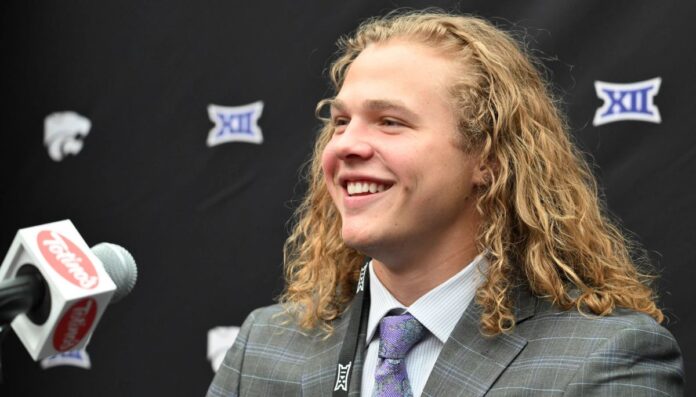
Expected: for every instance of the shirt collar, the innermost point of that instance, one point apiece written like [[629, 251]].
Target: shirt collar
[[438, 310]]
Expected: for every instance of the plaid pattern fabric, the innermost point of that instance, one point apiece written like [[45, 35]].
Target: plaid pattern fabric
[[549, 353]]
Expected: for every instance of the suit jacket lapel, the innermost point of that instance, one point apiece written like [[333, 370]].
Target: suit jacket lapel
[[469, 363]]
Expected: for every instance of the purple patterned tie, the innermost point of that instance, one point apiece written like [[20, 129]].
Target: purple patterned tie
[[397, 335]]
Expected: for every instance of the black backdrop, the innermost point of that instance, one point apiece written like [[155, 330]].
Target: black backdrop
[[206, 224]]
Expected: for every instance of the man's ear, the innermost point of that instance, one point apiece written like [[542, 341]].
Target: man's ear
[[484, 172], [481, 175]]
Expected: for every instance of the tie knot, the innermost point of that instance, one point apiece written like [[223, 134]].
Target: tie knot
[[398, 334]]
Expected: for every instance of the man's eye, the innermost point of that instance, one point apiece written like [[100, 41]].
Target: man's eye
[[340, 121], [391, 123]]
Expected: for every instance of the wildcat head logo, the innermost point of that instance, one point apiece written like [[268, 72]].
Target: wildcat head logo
[[64, 133]]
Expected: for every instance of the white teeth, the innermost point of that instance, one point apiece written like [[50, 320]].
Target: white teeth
[[364, 187]]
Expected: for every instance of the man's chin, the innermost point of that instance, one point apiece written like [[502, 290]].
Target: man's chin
[[368, 244], [358, 240]]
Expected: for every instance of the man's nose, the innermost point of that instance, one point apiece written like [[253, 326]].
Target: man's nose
[[354, 142]]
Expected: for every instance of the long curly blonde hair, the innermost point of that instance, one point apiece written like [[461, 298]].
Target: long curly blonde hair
[[543, 223]]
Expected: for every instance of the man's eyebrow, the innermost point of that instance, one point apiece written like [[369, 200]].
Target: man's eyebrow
[[336, 104], [377, 105]]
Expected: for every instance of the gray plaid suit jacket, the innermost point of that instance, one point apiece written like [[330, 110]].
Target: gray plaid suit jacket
[[549, 353]]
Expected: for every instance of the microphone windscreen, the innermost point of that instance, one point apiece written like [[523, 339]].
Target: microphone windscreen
[[120, 266]]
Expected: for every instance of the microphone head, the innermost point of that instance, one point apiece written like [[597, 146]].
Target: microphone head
[[120, 266]]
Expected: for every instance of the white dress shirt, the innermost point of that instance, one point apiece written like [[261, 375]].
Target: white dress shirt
[[438, 310]]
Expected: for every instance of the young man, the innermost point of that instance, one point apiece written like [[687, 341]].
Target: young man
[[493, 270]]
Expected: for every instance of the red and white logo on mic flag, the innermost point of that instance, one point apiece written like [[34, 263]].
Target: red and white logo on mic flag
[[75, 324], [67, 259]]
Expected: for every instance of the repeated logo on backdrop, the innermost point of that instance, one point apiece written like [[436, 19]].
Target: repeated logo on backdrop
[[630, 101], [235, 123], [220, 339], [76, 358], [64, 133]]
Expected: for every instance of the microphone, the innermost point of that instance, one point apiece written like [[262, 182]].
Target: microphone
[[54, 288], [120, 266]]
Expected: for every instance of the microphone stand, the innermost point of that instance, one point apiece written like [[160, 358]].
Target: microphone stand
[[25, 293], [17, 296], [3, 334]]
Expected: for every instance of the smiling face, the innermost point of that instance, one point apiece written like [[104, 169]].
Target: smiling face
[[395, 171]]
